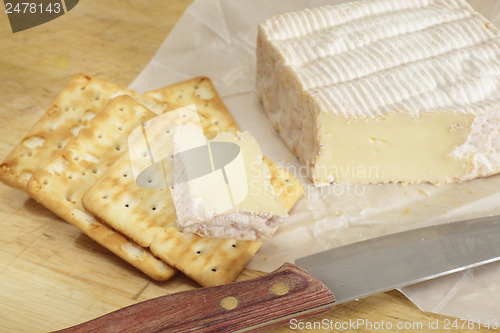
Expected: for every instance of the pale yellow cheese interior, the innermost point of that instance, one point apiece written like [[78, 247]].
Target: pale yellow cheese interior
[[407, 148]]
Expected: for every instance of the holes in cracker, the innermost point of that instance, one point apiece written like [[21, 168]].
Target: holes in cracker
[[153, 208], [145, 154], [30, 153], [206, 91], [76, 158], [97, 97], [69, 198], [125, 175], [66, 108], [59, 145], [214, 270], [118, 147], [127, 205], [198, 252], [99, 135], [105, 196], [119, 128], [121, 109], [179, 96], [234, 245], [95, 171], [83, 88], [45, 182]]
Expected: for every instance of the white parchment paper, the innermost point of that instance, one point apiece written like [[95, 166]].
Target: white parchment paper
[[217, 38]]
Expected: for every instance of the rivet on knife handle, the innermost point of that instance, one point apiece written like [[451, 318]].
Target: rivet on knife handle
[[267, 301]]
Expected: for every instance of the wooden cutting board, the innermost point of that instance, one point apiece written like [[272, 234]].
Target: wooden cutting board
[[52, 276]]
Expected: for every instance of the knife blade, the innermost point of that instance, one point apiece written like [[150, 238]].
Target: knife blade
[[308, 288]]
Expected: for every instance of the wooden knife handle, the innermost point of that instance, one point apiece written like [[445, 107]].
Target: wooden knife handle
[[267, 301]]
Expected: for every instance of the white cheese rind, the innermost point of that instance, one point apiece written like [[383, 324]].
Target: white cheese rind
[[373, 59]]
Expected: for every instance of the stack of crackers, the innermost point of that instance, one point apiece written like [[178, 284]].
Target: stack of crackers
[[75, 162]]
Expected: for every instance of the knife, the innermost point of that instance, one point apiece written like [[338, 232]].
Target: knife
[[300, 291]]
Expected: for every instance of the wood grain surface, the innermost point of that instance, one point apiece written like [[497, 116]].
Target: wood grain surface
[[52, 276], [259, 303]]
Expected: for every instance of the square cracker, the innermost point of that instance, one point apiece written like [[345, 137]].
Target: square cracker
[[214, 115], [76, 105], [60, 184], [148, 215]]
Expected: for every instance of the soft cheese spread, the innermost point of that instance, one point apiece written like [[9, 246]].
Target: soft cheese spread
[[232, 198]]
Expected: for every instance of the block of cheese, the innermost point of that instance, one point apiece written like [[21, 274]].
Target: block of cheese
[[225, 190], [402, 91]]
